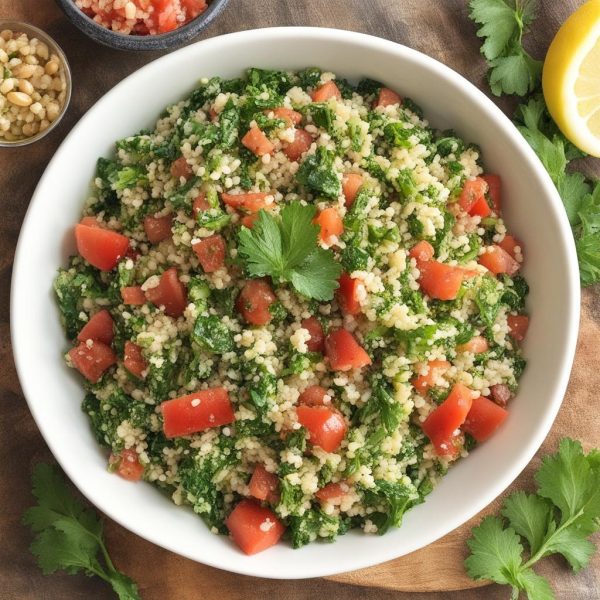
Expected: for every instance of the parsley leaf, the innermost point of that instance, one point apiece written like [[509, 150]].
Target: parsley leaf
[[317, 173], [580, 196], [69, 535], [503, 23], [286, 249], [558, 519]]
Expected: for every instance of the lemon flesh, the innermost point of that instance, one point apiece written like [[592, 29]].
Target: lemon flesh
[[571, 78]]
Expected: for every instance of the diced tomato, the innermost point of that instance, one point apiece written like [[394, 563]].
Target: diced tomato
[[387, 97], [509, 244], [331, 224], [200, 204], [126, 464], [422, 383], [439, 280], [441, 425], [253, 527], [254, 301], [500, 394], [92, 360], [472, 198], [333, 492], [344, 352], [313, 395], [422, 250], [193, 8], [134, 360], [348, 294], [102, 248], [476, 345], [264, 485], [326, 426], [249, 220], [90, 222], [494, 191], [257, 142], [291, 117], [484, 418], [211, 252], [99, 328], [351, 183], [181, 168], [480, 208], [196, 412], [518, 326], [251, 202], [133, 295], [158, 228], [170, 293], [497, 260], [317, 336], [302, 142], [326, 91]]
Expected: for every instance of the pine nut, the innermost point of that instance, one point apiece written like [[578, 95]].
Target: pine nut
[[24, 71], [51, 67], [25, 87], [19, 98], [7, 86]]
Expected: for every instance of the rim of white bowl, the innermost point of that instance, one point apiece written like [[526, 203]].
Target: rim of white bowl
[[572, 311]]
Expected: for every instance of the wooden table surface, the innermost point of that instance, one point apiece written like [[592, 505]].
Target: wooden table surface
[[439, 28]]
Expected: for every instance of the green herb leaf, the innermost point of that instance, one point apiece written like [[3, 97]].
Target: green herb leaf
[[495, 552], [286, 249], [69, 535], [569, 485], [503, 23]]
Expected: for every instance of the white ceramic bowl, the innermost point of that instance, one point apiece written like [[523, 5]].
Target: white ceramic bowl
[[533, 211]]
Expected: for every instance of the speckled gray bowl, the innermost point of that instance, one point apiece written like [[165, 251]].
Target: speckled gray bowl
[[163, 41]]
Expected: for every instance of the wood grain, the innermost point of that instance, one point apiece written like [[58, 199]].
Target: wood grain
[[440, 29]]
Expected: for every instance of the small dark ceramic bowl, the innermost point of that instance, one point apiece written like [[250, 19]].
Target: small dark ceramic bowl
[[164, 41]]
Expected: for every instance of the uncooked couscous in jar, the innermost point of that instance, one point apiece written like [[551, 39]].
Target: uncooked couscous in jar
[[142, 17], [33, 86], [294, 305]]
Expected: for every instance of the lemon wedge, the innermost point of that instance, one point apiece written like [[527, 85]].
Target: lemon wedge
[[571, 78]]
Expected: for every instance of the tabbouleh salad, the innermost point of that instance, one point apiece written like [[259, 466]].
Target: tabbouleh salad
[[294, 305]]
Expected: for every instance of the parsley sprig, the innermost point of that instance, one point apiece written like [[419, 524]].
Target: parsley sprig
[[557, 519], [513, 71], [69, 535], [285, 248], [503, 23]]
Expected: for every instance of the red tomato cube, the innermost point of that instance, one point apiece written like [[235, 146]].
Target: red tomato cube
[[127, 465], [264, 485], [317, 336], [484, 418], [257, 142], [92, 359], [211, 253], [344, 352], [348, 294], [253, 527], [351, 183], [254, 301], [326, 91], [196, 412], [442, 424], [158, 228], [99, 328], [102, 248], [326, 426], [439, 280], [302, 142], [134, 360], [170, 293]]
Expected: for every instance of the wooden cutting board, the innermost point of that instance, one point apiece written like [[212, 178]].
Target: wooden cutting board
[[440, 29]]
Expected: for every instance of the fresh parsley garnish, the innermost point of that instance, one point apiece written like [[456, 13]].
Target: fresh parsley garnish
[[285, 248], [503, 23], [557, 519], [513, 71], [580, 196], [69, 535]]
